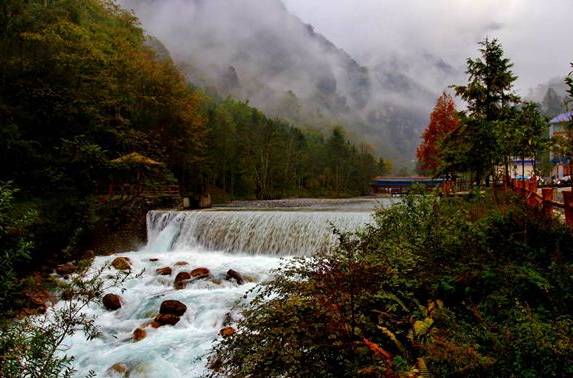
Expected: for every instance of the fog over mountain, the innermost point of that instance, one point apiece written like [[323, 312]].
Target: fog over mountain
[[260, 51], [536, 34]]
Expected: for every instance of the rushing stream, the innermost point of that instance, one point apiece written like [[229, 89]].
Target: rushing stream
[[249, 241]]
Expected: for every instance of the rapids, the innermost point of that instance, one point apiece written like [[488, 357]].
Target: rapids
[[250, 241]]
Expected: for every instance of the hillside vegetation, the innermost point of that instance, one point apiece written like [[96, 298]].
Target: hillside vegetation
[[80, 86]]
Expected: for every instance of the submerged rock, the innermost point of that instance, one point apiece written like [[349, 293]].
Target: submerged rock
[[181, 280], [233, 274], [111, 302], [165, 319], [119, 369], [200, 273], [139, 334], [154, 259], [172, 307], [65, 269], [181, 263], [227, 332], [166, 271], [121, 263]]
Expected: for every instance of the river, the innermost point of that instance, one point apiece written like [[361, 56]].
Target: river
[[251, 238]]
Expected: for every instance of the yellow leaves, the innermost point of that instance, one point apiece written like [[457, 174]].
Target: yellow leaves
[[394, 339], [421, 327]]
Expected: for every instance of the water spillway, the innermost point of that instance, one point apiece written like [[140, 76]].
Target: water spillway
[[273, 233], [250, 241]]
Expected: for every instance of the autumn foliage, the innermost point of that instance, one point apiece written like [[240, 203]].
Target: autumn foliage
[[443, 121]]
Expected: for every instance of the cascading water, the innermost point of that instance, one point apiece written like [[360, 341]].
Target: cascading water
[[250, 242], [275, 233]]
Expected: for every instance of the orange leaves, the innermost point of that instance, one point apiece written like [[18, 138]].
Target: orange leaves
[[443, 121], [378, 351]]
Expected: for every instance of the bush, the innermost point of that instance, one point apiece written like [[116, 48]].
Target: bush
[[448, 287], [34, 346], [14, 245]]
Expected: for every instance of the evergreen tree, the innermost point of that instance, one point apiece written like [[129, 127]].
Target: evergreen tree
[[552, 103], [489, 95]]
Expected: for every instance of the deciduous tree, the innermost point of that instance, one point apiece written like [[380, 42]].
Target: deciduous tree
[[443, 121]]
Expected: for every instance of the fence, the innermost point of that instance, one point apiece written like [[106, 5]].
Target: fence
[[545, 200]]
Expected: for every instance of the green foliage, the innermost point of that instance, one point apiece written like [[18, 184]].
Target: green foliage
[[34, 346], [15, 245], [447, 287], [252, 156], [80, 86], [489, 89], [495, 129]]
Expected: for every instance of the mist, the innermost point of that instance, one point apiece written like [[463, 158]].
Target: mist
[[536, 34], [374, 66]]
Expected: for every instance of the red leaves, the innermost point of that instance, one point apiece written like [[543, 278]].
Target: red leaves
[[443, 121], [378, 351]]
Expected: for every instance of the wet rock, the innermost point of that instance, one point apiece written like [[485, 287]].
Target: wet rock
[[139, 334], [166, 319], [166, 271], [111, 302], [154, 324], [65, 269], [227, 332], [228, 319], [121, 263], [154, 259], [172, 307], [119, 369], [234, 275], [181, 263], [36, 302], [200, 273], [181, 280], [88, 255]]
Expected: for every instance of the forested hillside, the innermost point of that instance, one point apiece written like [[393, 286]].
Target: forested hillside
[[258, 51], [81, 86]]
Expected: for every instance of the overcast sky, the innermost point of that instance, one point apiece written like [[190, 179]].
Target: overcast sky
[[537, 34]]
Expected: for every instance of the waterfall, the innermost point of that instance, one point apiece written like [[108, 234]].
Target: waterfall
[[275, 233], [251, 242]]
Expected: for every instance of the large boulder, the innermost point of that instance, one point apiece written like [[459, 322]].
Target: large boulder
[[172, 307], [166, 271], [121, 263], [200, 273], [181, 280], [166, 319], [234, 275], [111, 302], [65, 269]]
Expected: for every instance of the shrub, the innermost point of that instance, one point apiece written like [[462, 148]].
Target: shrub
[[448, 287]]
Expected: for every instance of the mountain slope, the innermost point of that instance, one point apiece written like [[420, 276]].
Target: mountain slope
[[255, 50]]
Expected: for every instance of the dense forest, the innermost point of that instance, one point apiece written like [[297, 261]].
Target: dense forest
[[81, 86]]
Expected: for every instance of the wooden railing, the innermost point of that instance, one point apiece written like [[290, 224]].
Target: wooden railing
[[528, 189]]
